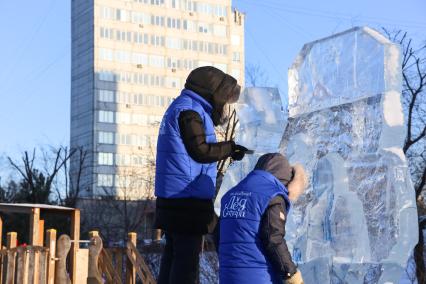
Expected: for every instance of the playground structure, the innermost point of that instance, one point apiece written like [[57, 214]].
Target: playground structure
[[48, 259]]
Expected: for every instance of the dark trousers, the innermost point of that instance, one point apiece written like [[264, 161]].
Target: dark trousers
[[181, 259]]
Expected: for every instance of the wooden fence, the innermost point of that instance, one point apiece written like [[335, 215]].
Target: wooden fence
[[95, 265]]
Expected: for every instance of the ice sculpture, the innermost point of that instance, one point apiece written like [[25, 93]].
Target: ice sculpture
[[261, 125], [357, 221]]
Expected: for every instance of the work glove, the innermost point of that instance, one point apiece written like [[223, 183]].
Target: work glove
[[295, 279], [238, 152]]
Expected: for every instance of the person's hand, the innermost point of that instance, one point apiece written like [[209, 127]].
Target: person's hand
[[238, 152], [295, 279]]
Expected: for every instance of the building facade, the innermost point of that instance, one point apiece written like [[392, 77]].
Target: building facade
[[130, 59]]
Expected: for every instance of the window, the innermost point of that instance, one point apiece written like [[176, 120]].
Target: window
[[157, 40], [124, 118], [106, 76], [220, 11], [122, 160], [122, 15], [106, 96], [175, 4], [189, 25], [124, 139], [203, 28], [123, 181], [140, 18], [157, 20], [222, 49], [138, 38], [156, 61], [106, 33], [107, 13], [105, 159], [236, 57], [172, 42], [106, 116], [139, 58], [105, 54], [157, 2], [105, 137], [173, 82], [105, 180], [172, 62]]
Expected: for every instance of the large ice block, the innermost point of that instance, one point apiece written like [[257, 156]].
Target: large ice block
[[357, 221], [261, 126]]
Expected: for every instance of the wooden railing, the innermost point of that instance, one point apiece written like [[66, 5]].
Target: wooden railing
[[117, 265], [32, 264], [48, 264]]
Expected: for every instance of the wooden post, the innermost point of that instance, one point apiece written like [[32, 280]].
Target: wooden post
[[131, 269], [11, 240], [11, 243], [41, 233], [51, 244], [32, 266], [62, 249], [34, 239], [34, 226], [94, 275], [75, 236], [21, 271], [44, 261], [93, 234]]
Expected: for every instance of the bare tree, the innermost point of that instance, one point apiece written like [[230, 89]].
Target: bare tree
[[414, 101], [39, 184], [255, 76], [69, 190]]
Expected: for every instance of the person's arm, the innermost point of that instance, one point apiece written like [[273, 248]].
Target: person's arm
[[272, 232], [194, 138]]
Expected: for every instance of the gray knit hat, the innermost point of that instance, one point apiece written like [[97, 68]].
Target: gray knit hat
[[276, 164]]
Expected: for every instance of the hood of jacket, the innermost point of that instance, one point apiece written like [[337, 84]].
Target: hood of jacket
[[293, 178], [216, 87]]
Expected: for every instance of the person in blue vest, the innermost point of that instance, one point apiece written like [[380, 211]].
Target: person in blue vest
[[252, 248], [185, 177]]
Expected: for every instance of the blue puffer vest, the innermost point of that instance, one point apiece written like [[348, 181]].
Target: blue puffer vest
[[177, 175], [241, 257]]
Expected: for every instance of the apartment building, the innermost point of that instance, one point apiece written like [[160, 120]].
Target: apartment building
[[130, 59]]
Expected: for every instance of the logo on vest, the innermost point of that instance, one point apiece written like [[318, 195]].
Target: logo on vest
[[236, 206]]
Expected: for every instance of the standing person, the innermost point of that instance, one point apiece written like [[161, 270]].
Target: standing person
[[252, 224], [185, 178]]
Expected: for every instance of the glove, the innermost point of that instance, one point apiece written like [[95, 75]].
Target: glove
[[295, 279], [238, 152]]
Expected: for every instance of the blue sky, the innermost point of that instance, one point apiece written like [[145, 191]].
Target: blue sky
[[35, 53]]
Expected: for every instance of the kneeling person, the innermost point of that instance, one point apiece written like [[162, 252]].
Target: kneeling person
[[252, 224]]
